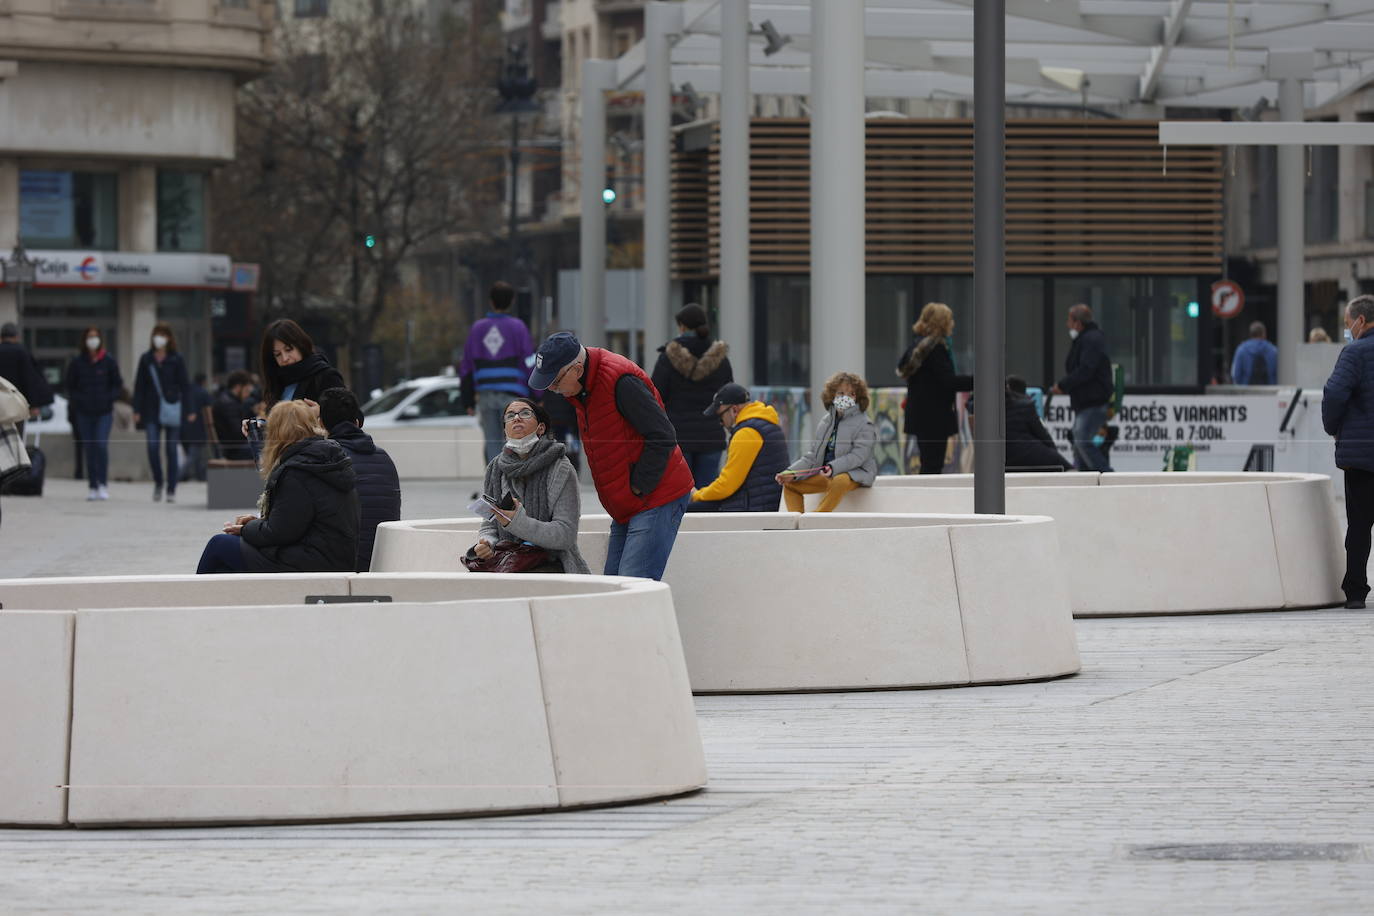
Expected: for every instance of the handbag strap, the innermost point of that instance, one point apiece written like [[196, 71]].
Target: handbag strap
[[157, 382]]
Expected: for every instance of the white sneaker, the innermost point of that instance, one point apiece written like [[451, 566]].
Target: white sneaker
[[92, 496], [104, 492]]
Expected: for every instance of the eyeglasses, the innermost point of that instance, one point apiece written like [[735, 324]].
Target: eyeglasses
[[523, 414], [558, 379]]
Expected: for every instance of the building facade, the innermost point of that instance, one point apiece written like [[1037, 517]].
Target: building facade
[[112, 114]]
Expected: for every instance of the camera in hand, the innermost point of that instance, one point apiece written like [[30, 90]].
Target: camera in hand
[[256, 426]]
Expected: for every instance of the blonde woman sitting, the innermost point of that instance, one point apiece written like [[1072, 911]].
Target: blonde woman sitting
[[841, 459], [308, 511]]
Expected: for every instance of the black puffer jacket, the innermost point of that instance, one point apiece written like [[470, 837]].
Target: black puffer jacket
[[311, 513], [689, 372], [379, 487], [1088, 370], [93, 384], [312, 375], [1029, 444]]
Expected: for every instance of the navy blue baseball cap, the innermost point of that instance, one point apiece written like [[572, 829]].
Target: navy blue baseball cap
[[552, 356]]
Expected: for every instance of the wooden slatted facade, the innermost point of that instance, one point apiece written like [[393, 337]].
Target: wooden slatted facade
[[1083, 197]]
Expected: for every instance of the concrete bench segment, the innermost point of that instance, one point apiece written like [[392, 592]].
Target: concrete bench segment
[[465, 695], [779, 602], [1175, 543]]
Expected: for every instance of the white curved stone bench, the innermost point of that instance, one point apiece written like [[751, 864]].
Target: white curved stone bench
[[223, 699], [781, 602], [1176, 543]]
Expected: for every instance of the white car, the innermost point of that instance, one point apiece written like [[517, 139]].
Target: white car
[[436, 400]]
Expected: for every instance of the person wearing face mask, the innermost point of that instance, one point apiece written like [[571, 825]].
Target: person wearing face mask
[[841, 458], [931, 383], [532, 475], [757, 453], [161, 380], [1088, 383], [93, 383], [1348, 414]]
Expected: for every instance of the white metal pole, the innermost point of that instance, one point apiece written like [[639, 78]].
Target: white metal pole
[[736, 311], [660, 19], [1291, 237], [837, 191], [597, 77]]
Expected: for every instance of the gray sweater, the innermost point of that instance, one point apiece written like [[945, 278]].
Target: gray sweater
[[853, 447], [558, 535]]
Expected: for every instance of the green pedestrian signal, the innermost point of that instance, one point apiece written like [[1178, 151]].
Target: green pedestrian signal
[[370, 241]]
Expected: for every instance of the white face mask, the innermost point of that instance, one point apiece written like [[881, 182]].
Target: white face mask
[[844, 402], [1073, 333], [523, 446], [159, 341], [92, 343]]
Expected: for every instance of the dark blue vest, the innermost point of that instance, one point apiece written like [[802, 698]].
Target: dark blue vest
[[760, 492]]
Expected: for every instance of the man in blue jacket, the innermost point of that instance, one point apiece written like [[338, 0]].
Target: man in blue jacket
[[1348, 414], [379, 488], [1257, 360], [1088, 383]]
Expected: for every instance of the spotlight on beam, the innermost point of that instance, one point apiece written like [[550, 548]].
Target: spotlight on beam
[[773, 40]]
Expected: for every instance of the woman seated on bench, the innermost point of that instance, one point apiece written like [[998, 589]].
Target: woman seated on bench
[[308, 518]]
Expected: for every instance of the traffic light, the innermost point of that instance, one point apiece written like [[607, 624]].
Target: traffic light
[[370, 241], [608, 194]]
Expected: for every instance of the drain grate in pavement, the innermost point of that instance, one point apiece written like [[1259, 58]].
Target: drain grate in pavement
[[1249, 852]]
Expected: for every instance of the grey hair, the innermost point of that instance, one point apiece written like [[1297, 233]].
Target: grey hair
[[1361, 307], [1081, 313], [1257, 329]]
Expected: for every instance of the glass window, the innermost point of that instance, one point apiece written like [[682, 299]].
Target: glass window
[[1025, 329], [957, 293], [1264, 196], [188, 313], [180, 211], [443, 402], [1321, 194], [782, 329], [1146, 322], [63, 210], [890, 303], [54, 320], [387, 401], [305, 9]]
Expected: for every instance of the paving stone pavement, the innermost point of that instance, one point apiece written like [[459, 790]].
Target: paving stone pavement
[[1032, 798]]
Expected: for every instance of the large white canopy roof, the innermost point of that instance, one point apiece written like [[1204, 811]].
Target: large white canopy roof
[[1183, 53]]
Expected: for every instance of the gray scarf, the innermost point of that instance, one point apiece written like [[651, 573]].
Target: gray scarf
[[533, 479]]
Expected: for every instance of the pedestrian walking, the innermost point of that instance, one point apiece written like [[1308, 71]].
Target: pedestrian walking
[[160, 405], [307, 517], [93, 383], [931, 383], [378, 484], [757, 453], [1257, 360], [1348, 414], [631, 449], [691, 368], [496, 362], [841, 457], [291, 367], [532, 524], [1088, 383]]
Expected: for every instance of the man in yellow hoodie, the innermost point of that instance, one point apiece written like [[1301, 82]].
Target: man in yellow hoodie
[[756, 454]]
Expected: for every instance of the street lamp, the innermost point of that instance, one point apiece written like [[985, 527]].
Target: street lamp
[[517, 90], [20, 271]]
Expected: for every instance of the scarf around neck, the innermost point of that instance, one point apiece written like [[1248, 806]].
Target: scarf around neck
[[537, 473], [919, 354]]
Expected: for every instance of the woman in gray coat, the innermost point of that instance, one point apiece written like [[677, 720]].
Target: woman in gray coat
[[841, 459], [532, 473]]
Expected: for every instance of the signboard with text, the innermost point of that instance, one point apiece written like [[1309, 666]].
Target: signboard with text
[[122, 269], [1220, 427]]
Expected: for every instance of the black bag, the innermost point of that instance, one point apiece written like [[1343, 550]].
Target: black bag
[[30, 482]]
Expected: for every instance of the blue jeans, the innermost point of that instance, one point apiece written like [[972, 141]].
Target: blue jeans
[[154, 432], [491, 407], [705, 466], [1086, 423], [641, 546], [93, 429], [223, 554]]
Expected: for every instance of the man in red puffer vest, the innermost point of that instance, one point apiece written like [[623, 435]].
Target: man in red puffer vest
[[638, 470]]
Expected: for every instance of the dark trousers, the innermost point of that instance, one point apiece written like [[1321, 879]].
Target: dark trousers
[[932, 454], [156, 435], [1359, 518], [705, 466], [223, 554]]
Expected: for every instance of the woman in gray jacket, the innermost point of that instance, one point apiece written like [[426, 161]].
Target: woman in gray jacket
[[532, 473], [841, 459]]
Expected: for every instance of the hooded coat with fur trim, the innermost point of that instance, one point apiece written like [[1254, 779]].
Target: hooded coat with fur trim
[[689, 372]]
